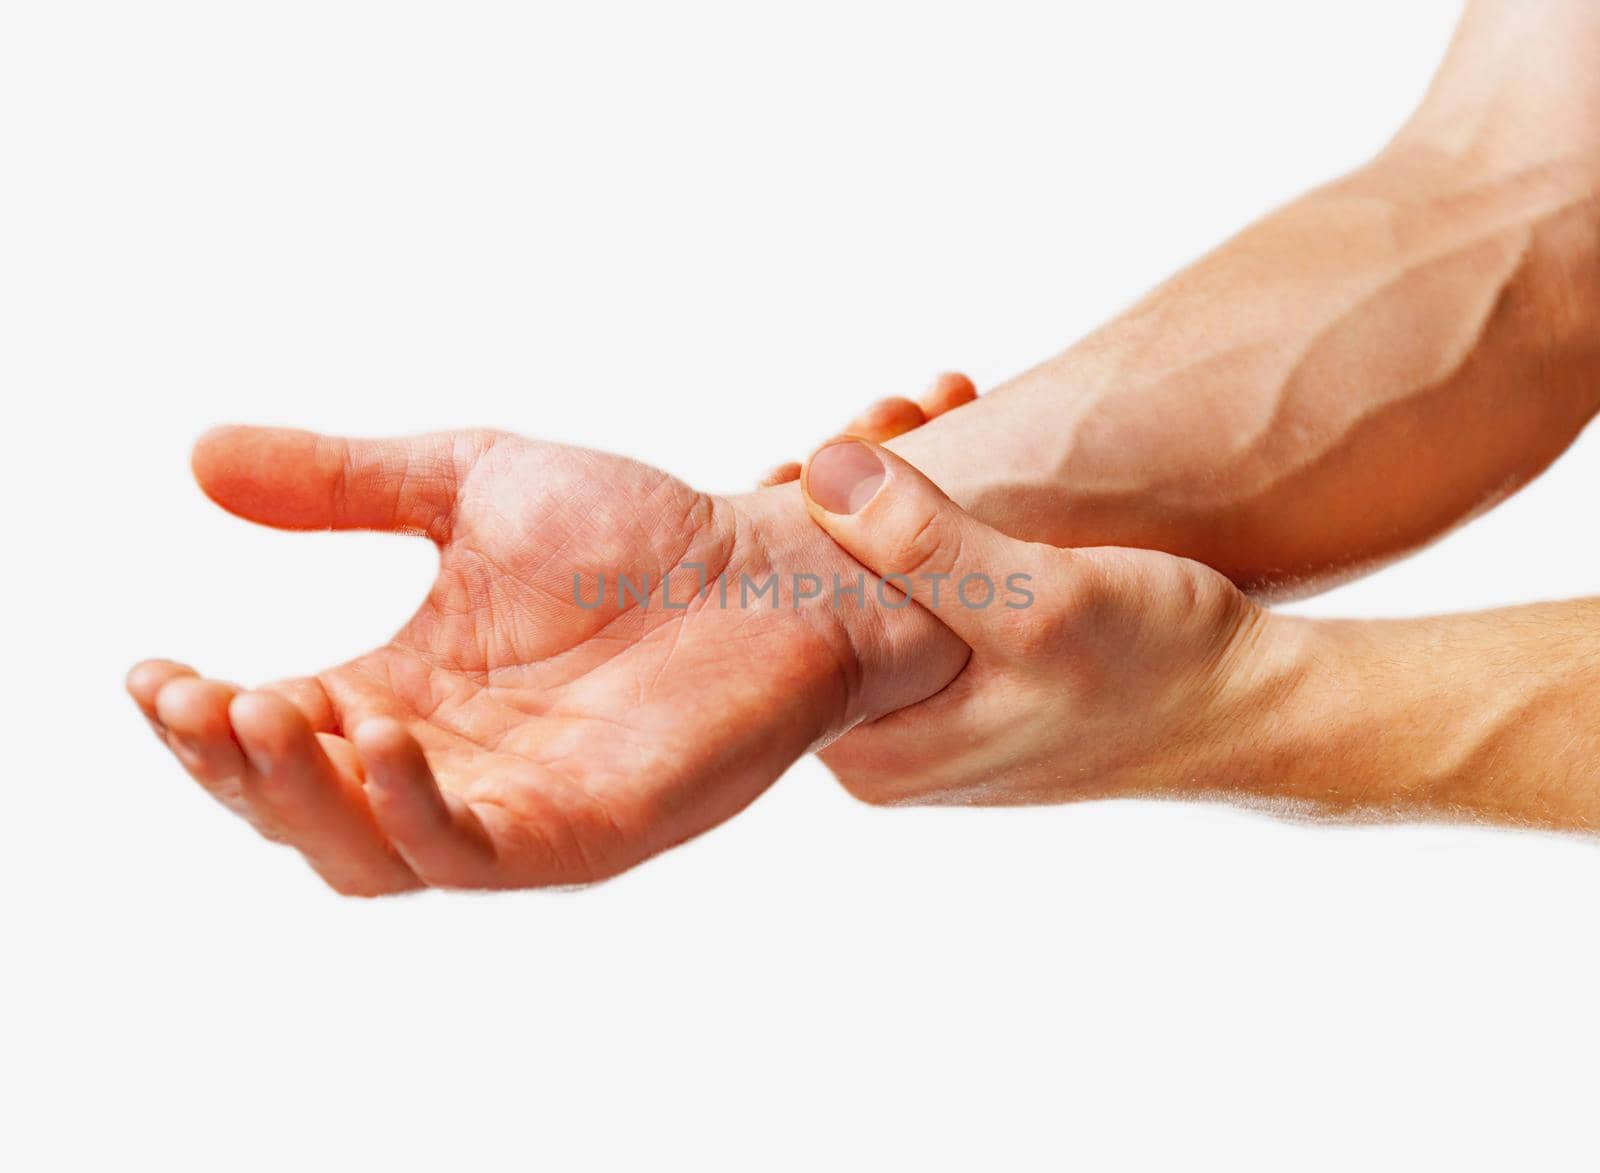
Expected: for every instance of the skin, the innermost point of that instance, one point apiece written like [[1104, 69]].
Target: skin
[[1093, 683], [888, 418], [507, 737], [1344, 381], [1339, 384], [1140, 674], [1354, 374]]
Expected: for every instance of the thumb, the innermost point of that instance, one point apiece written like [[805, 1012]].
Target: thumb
[[300, 480], [895, 521]]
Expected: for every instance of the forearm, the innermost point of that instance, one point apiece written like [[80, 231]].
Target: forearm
[[1344, 380], [1492, 716]]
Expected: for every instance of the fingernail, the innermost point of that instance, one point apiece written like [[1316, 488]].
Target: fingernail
[[844, 476]]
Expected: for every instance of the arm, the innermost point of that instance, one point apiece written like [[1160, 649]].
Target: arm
[[1488, 716], [510, 735], [1351, 376], [1136, 674]]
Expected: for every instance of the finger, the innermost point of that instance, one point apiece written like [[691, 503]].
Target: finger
[[301, 480], [322, 810], [190, 714], [194, 712], [886, 419], [949, 390], [780, 475], [437, 833], [307, 694], [899, 525], [145, 682], [889, 418]]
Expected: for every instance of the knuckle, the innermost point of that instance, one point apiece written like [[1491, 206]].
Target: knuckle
[[281, 792], [926, 545], [1063, 601], [273, 793]]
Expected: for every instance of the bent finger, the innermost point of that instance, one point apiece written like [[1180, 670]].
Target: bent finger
[[195, 713], [437, 833], [898, 524], [886, 419], [322, 809], [950, 390], [781, 474], [144, 683]]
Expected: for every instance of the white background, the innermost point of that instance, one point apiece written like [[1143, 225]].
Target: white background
[[702, 235]]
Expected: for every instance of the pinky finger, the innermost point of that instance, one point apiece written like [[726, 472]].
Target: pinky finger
[[437, 834]]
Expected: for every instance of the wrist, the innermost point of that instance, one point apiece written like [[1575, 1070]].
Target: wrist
[[1250, 722], [1317, 727], [1305, 726], [879, 659], [1449, 718]]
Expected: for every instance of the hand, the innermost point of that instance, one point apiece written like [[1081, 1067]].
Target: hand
[[1094, 672], [507, 736], [892, 417]]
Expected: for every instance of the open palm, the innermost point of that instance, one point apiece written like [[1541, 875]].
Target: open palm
[[508, 736]]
